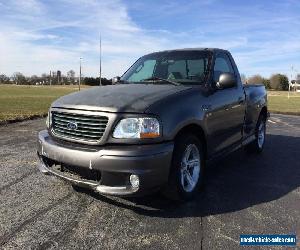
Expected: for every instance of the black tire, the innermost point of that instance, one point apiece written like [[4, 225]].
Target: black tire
[[257, 146], [174, 189]]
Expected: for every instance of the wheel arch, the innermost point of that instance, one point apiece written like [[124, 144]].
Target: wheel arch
[[264, 112], [196, 130]]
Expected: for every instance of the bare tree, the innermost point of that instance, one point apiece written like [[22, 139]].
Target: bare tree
[[256, 79], [45, 79], [4, 79], [34, 79], [298, 78], [19, 78], [71, 76]]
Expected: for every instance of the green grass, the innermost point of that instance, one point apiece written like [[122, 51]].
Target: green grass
[[280, 103], [21, 102]]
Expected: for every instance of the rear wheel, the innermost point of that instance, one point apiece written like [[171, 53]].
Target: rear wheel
[[186, 174], [257, 145]]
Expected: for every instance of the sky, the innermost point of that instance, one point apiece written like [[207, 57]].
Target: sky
[[38, 36]]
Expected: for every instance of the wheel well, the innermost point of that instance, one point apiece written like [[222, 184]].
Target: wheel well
[[264, 112], [196, 130]]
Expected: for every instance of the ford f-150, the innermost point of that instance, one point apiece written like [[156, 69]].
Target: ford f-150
[[155, 128]]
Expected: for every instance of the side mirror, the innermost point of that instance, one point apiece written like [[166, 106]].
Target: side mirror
[[226, 80], [115, 79]]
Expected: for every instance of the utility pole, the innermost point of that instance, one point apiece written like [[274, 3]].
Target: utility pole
[[79, 73], [100, 62]]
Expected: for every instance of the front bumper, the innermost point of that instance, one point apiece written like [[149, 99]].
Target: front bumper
[[150, 163]]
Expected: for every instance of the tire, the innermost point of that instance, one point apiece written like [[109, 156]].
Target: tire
[[257, 145], [187, 168]]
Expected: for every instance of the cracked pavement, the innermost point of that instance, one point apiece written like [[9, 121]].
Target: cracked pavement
[[244, 194]]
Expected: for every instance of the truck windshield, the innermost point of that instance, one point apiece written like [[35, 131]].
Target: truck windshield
[[182, 67]]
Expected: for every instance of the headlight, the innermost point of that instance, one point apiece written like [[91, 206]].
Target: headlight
[[137, 128], [48, 119]]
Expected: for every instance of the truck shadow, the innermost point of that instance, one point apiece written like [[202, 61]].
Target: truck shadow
[[237, 182]]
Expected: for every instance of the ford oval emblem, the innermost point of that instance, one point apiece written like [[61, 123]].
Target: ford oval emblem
[[72, 125]]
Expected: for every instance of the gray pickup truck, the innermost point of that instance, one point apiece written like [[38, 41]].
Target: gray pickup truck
[[157, 127]]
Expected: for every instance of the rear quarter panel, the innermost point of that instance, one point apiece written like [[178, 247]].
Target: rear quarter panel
[[256, 97]]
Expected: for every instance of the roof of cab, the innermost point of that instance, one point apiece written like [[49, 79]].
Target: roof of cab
[[192, 49]]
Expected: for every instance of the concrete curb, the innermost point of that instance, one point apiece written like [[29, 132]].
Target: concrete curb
[[285, 113]]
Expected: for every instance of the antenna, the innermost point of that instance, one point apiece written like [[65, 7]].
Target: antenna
[[100, 62]]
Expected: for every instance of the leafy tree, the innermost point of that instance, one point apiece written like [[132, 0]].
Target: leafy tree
[[92, 81], [266, 82], [4, 79], [279, 82]]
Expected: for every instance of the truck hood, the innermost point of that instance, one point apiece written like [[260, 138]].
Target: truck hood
[[131, 98]]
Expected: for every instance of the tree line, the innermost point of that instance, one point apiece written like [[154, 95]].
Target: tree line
[[275, 82], [56, 78]]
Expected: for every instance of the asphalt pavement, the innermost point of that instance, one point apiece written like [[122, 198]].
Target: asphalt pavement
[[244, 194]]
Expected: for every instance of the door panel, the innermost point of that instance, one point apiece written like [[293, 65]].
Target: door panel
[[226, 117]]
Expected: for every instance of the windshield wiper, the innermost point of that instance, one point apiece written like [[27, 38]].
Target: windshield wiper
[[158, 79]]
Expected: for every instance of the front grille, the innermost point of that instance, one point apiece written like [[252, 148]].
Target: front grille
[[78, 126]]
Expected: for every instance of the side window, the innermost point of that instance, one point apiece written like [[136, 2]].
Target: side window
[[196, 67], [187, 69], [222, 65]]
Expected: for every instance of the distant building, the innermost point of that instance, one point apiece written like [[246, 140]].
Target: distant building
[[295, 85]]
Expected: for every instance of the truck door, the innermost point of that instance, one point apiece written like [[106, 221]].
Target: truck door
[[226, 117]]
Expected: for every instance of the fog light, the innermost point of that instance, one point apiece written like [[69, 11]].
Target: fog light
[[134, 181]]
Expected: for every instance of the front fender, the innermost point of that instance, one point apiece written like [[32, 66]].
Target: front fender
[[179, 111]]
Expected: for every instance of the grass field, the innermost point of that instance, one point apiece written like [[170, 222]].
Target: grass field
[[21, 102], [280, 103]]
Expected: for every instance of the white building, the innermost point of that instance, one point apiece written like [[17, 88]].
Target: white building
[[295, 85]]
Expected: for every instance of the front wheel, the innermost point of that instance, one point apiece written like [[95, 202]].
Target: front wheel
[[260, 136], [186, 174]]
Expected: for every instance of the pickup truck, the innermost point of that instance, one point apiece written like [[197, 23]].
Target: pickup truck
[[157, 127]]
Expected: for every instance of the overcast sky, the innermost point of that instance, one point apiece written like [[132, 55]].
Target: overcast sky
[[39, 36]]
